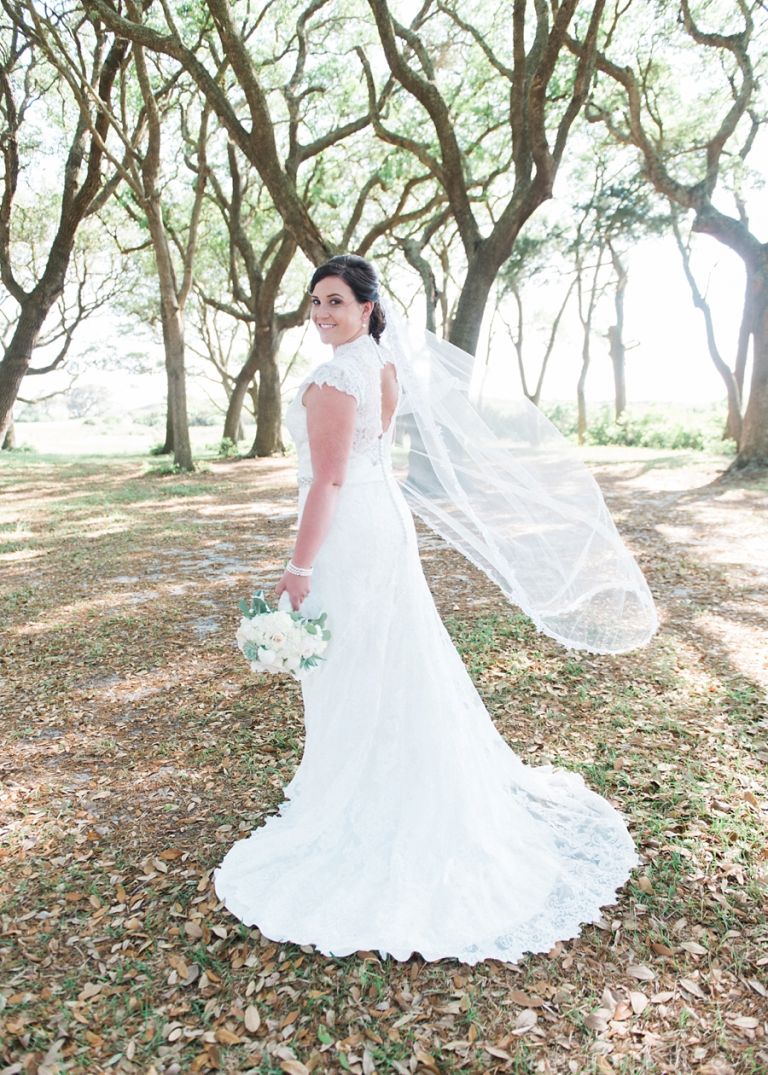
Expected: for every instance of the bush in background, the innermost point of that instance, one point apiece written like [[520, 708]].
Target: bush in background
[[201, 418], [149, 416], [226, 448], [656, 425]]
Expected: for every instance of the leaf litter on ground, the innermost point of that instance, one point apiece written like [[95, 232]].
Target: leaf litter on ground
[[136, 750]]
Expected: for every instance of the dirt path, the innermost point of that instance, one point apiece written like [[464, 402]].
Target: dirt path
[[712, 577]]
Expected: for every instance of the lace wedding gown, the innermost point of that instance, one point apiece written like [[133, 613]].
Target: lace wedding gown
[[410, 825]]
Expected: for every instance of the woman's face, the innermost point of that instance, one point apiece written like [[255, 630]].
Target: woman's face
[[337, 314]]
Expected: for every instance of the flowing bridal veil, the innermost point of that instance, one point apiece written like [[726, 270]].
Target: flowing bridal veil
[[505, 488]]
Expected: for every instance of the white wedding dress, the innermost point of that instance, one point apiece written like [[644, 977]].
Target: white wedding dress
[[410, 825]]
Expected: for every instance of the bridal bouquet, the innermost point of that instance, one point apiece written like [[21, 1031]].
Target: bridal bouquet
[[276, 640]]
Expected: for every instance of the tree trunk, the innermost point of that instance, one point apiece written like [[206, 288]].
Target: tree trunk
[[733, 390], [242, 383], [618, 359], [177, 396], [753, 445], [586, 317], [732, 429], [173, 340], [18, 354], [414, 256], [518, 341], [746, 328], [470, 309], [734, 419], [177, 424], [253, 392], [167, 448], [269, 412], [168, 442], [536, 397], [616, 345], [581, 398], [262, 359], [9, 441]]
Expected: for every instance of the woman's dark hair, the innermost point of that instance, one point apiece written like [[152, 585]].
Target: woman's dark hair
[[363, 280]]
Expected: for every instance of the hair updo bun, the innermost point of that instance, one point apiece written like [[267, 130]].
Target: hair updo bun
[[362, 279]]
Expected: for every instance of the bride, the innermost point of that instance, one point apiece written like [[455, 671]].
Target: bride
[[410, 826]]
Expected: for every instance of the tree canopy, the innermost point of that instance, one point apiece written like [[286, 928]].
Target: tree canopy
[[212, 152]]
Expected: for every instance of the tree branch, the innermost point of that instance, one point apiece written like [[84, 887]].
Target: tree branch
[[427, 94], [257, 145]]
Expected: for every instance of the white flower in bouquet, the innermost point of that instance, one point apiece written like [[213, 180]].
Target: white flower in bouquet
[[274, 640]]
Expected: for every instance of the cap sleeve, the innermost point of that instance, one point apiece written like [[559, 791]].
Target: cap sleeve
[[346, 376]]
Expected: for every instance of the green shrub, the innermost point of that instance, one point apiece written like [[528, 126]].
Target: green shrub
[[150, 417], [199, 418], [226, 448], [665, 426]]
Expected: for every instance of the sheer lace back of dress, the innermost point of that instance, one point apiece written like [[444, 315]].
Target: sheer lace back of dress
[[357, 368], [388, 372]]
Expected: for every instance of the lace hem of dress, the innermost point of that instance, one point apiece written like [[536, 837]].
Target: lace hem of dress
[[596, 860], [562, 918]]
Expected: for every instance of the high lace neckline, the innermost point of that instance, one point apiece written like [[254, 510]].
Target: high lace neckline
[[360, 343]]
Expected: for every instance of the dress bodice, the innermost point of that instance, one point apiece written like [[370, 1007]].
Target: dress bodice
[[356, 370]]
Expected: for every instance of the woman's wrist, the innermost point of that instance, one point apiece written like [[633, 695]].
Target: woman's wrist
[[294, 569]]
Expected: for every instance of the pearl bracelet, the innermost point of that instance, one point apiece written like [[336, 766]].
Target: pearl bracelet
[[291, 567]]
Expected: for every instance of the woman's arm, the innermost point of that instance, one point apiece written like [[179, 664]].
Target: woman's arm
[[330, 426]]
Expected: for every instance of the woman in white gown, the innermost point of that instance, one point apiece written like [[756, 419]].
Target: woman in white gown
[[410, 825]]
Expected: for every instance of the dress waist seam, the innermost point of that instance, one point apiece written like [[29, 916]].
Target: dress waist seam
[[381, 475]]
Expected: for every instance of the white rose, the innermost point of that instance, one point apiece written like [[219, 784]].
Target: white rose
[[290, 643], [245, 631], [248, 630]]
